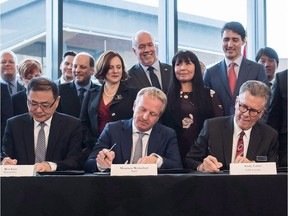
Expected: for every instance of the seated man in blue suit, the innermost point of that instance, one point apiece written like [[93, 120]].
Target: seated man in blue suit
[[44, 138], [239, 138], [159, 143]]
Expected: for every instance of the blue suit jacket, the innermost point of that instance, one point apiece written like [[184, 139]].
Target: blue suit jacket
[[216, 78], [217, 134], [138, 78], [162, 141]]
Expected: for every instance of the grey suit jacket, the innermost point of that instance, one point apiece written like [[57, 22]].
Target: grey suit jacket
[[64, 143], [217, 134], [162, 141], [216, 78], [138, 78]]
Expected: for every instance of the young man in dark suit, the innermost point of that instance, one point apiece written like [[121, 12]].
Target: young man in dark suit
[[240, 138], [49, 140], [149, 71], [158, 142], [219, 78]]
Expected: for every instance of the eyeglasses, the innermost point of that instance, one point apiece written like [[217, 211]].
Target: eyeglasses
[[252, 112], [42, 105]]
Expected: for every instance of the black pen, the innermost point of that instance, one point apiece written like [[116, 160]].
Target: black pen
[[110, 150], [209, 151]]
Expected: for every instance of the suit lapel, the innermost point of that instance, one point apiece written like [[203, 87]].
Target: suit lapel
[[165, 76], [28, 139], [227, 136], [254, 142], [224, 77], [141, 76], [53, 135], [126, 136], [154, 138]]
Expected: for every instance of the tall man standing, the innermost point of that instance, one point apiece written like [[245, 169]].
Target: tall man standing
[[149, 71], [227, 76]]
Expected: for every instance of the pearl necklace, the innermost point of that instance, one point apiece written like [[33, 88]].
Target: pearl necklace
[[109, 95]]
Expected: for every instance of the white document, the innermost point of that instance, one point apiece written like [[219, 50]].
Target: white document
[[17, 170], [266, 168], [133, 169]]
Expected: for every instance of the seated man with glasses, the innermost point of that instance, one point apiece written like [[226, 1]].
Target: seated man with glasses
[[240, 138], [49, 140]]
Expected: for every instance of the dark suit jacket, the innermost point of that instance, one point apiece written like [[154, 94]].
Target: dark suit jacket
[[162, 141], [121, 107], [69, 101], [216, 78], [6, 107], [64, 144], [138, 78], [19, 101], [277, 114], [20, 87], [217, 134]]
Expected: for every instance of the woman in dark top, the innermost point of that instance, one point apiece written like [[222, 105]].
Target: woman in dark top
[[111, 102], [189, 102]]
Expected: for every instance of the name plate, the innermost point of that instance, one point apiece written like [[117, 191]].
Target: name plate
[[268, 168], [133, 169], [17, 170]]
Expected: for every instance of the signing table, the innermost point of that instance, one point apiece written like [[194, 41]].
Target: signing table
[[163, 195]]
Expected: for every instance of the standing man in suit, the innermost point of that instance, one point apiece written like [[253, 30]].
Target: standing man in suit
[[149, 71], [49, 140], [268, 57], [277, 114], [239, 138], [66, 67], [227, 76], [72, 94], [9, 63], [158, 143]]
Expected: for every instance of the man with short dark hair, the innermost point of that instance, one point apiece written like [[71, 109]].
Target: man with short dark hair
[[49, 140], [226, 77], [268, 57], [66, 67], [239, 138]]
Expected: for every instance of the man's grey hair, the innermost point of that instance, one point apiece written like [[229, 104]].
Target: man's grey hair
[[154, 92], [256, 88], [136, 35], [11, 53]]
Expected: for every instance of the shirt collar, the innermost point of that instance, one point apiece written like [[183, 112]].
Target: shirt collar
[[87, 87], [237, 61], [237, 129], [155, 65], [47, 122], [135, 130]]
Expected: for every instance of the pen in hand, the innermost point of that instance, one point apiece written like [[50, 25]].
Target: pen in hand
[[209, 151], [110, 150]]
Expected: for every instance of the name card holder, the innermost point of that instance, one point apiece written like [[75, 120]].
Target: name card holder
[[266, 168], [17, 170], [133, 169]]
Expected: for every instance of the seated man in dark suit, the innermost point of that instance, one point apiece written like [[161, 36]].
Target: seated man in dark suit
[[72, 94], [239, 138], [140, 139], [49, 140]]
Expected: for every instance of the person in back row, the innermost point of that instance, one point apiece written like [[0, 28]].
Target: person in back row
[[140, 139], [149, 71], [226, 77], [110, 102], [239, 138]]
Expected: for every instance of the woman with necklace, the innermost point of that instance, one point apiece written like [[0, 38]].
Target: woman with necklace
[[189, 102], [112, 102]]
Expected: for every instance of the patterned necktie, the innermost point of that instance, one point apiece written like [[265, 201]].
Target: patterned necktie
[[153, 78], [40, 152], [138, 148], [232, 77], [240, 145], [81, 95]]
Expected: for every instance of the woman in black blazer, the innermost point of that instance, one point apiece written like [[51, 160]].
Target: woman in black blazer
[[111, 102]]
